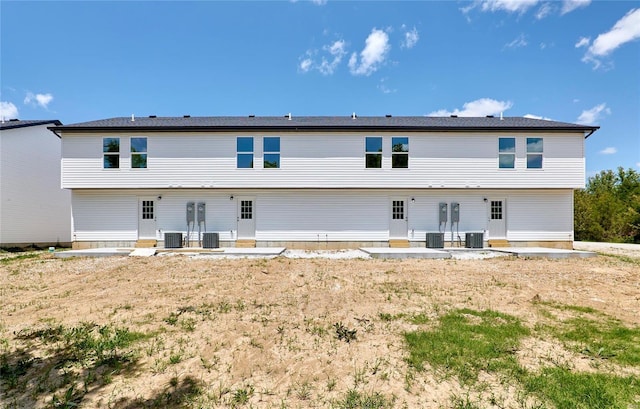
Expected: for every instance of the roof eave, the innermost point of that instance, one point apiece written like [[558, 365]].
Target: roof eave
[[56, 129]]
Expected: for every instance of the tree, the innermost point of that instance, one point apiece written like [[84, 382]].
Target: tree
[[608, 209]]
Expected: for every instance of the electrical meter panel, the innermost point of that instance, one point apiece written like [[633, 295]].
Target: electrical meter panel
[[201, 212], [442, 214], [191, 209], [455, 212]]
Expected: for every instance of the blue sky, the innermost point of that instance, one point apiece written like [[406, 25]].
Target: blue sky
[[575, 61]]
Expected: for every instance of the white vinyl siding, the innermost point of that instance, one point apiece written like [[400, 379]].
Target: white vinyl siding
[[540, 215], [325, 215], [315, 160], [322, 216], [33, 207]]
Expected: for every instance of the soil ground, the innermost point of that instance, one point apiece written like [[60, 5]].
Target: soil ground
[[265, 328]]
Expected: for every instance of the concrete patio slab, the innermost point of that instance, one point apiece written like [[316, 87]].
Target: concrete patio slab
[[143, 252], [544, 252], [101, 252], [410, 252]]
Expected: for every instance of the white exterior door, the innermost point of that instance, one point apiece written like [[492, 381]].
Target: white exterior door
[[146, 218], [398, 218], [497, 218], [246, 218]]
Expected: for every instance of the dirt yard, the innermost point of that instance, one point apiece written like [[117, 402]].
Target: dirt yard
[[262, 332]]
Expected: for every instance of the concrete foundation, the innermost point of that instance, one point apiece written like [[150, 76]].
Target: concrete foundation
[[327, 245]]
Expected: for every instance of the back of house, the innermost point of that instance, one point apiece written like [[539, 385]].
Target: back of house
[[323, 182]]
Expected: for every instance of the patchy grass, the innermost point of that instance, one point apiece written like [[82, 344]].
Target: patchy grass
[[23, 256], [354, 399], [183, 332], [596, 335], [467, 342], [566, 389], [68, 362]]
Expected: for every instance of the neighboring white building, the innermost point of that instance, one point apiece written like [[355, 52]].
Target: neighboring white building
[[34, 209], [324, 181]]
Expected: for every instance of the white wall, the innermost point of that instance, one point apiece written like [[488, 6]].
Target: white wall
[[33, 207], [324, 215], [437, 160]]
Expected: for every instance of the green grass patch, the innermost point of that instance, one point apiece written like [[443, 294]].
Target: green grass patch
[[355, 400], [467, 342], [418, 319], [73, 361], [605, 339], [570, 390], [597, 335], [11, 259]]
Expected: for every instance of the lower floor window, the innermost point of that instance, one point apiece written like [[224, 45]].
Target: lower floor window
[[397, 212], [147, 210], [496, 210], [246, 209]]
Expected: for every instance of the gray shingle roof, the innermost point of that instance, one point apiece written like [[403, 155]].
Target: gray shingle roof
[[17, 123], [385, 123]]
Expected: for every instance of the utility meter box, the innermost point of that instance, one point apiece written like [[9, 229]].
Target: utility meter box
[[455, 212], [442, 213], [201, 212], [191, 209]]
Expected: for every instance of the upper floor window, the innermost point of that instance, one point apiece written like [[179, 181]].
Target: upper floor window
[[244, 151], [506, 153], [400, 152], [534, 153], [271, 149], [111, 153], [139, 153], [373, 151]]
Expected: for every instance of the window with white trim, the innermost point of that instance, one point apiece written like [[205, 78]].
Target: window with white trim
[[496, 210], [244, 145], [373, 151], [111, 153], [271, 149], [397, 210], [535, 150], [506, 153], [147, 210], [246, 209], [400, 152], [139, 153]]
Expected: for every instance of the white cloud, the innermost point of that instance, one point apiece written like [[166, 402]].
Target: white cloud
[[531, 116], [520, 41], [522, 6], [625, 30], [593, 115], [8, 110], [372, 56], [479, 107], [544, 11], [38, 99], [329, 62], [410, 38], [569, 5], [384, 88], [337, 51], [610, 150], [638, 164], [583, 42], [306, 64], [511, 6]]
